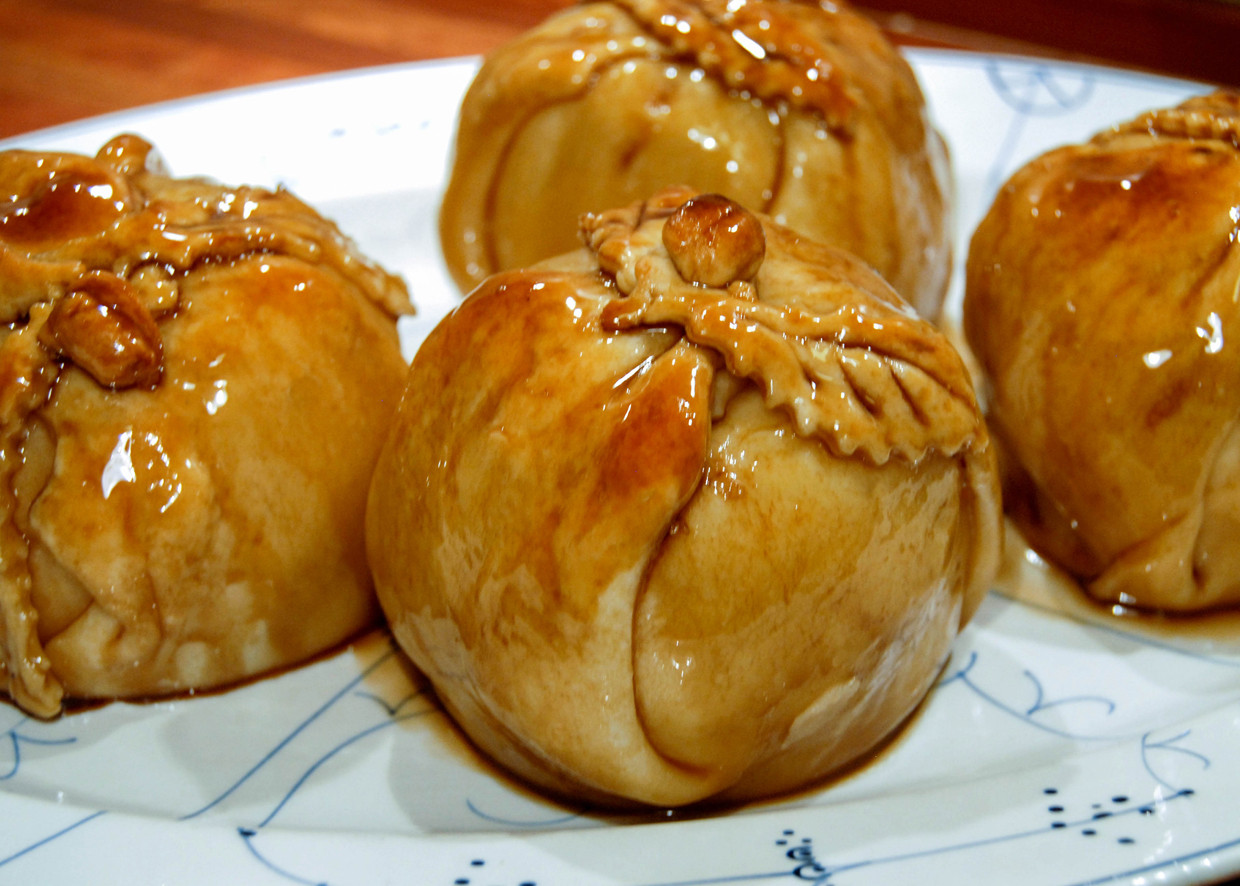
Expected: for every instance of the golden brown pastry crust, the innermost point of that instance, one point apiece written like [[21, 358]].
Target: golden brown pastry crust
[[800, 109], [193, 383], [655, 539], [1102, 299]]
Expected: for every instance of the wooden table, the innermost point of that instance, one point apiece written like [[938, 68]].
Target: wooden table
[[62, 60]]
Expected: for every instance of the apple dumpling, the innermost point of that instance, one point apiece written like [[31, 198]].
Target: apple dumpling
[[1102, 303], [194, 384], [800, 109], [693, 512]]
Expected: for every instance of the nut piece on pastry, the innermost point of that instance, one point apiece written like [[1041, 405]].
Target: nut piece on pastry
[[802, 110], [1102, 304], [194, 384], [696, 511]]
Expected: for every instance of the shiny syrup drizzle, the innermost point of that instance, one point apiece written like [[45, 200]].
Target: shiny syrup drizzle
[[71, 203]]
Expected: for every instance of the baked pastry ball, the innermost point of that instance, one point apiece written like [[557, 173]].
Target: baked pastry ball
[[1102, 304], [802, 110], [194, 384], [693, 512]]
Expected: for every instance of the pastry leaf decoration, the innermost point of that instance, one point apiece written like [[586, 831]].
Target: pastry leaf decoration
[[850, 364]]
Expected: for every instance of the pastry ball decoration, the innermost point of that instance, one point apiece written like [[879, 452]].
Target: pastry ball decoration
[[194, 383], [1103, 301], [693, 512], [802, 110]]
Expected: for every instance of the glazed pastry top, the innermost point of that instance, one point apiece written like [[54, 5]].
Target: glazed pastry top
[[825, 339]]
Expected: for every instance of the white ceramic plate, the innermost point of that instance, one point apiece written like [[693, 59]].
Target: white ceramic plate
[[1059, 748]]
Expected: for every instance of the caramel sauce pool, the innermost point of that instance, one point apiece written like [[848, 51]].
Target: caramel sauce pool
[[394, 679], [1024, 577], [1027, 578], [398, 679]]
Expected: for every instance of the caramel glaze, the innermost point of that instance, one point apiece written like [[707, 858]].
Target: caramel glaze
[[115, 280], [799, 109], [655, 537], [1101, 301]]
